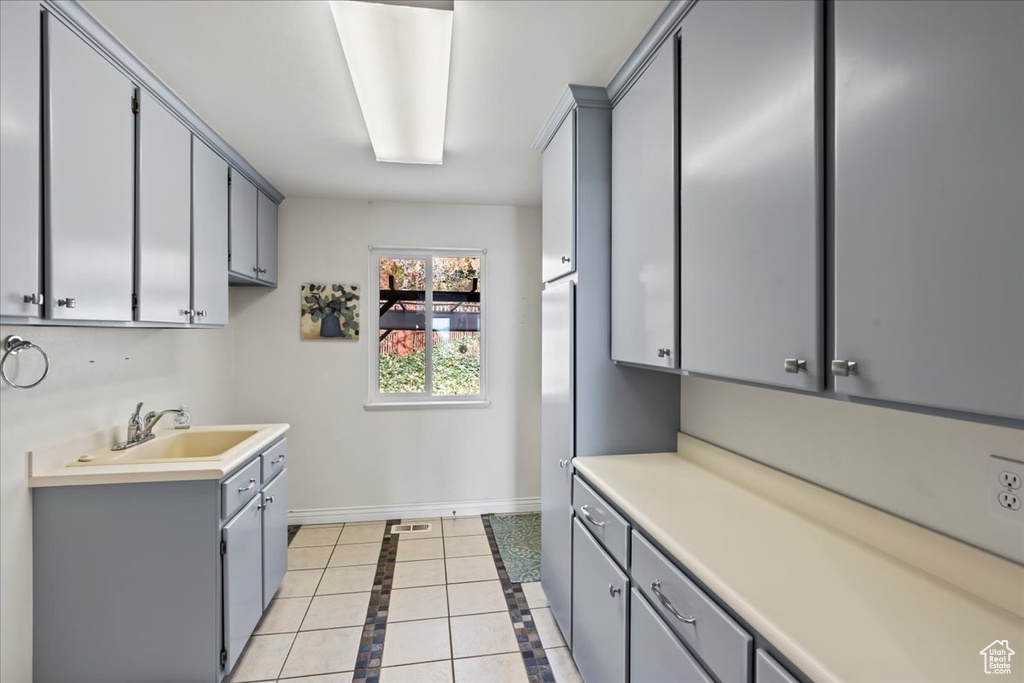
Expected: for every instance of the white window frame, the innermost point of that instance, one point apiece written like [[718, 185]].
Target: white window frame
[[377, 400]]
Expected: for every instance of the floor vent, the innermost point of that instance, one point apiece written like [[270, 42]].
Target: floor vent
[[409, 528]]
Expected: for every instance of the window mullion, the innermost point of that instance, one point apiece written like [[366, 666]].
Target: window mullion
[[428, 361]]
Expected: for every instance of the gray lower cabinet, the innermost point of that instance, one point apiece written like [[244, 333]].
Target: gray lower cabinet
[[163, 249], [242, 231], [557, 448], [20, 237], [767, 670], [751, 207], [209, 236], [928, 170], [645, 305], [600, 611], [243, 578], [170, 588], [275, 535], [89, 181], [655, 654], [266, 239], [559, 205]]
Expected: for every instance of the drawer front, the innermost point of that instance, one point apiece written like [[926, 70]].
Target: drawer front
[[240, 488], [724, 647], [655, 654], [767, 670], [273, 460], [610, 529], [600, 609]]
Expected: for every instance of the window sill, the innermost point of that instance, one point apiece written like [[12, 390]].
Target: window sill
[[425, 405]]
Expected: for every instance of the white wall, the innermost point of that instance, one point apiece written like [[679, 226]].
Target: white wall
[[96, 377], [353, 461], [930, 470]]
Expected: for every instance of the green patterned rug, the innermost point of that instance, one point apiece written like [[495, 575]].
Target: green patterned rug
[[518, 538]]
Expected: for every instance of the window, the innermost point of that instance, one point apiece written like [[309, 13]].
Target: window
[[430, 339]]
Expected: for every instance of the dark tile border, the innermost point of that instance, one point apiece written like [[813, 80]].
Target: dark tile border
[[371, 646], [534, 657]]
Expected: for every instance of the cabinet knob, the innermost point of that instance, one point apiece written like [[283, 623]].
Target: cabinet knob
[[795, 365], [36, 299], [201, 314], [562, 463], [566, 259], [844, 368], [69, 302], [613, 590], [188, 312], [255, 269], [664, 353]]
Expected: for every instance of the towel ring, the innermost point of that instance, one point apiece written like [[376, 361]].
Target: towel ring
[[15, 345]]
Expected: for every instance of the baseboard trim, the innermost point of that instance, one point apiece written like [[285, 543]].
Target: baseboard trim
[[371, 513]]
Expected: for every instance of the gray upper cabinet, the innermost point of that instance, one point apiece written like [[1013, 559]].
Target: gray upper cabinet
[[559, 202], [557, 448], [243, 229], [89, 145], [20, 258], [928, 171], [209, 236], [163, 250], [644, 228], [266, 239], [751, 235]]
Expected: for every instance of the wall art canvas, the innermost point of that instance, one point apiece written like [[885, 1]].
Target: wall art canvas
[[330, 311]]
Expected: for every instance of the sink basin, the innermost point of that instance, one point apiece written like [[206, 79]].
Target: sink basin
[[173, 446]]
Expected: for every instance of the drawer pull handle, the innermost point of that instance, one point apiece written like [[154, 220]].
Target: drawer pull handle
[[252, 482], [613, 590], [667, 604], [585, 511], [279, 459]]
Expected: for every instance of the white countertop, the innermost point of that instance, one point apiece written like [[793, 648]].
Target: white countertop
[[50, 466], [845, 591]]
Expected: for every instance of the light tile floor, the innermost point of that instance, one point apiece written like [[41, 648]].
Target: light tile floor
[[447, 622]]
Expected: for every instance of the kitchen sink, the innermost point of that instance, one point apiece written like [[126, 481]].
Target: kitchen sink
[[172, 446]]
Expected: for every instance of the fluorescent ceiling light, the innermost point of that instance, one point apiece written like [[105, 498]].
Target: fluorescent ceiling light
[[399, 58]]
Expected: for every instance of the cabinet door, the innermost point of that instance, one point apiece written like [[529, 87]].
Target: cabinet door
[[557, 446], [559, 206], [928, 171], [266, 250], [275, 535], [645, 306], [600, 598], [243, 578], [209, 235], [655, 654], [242, 248], [20, 233], [90, 181], [751, 208], [163, 250]]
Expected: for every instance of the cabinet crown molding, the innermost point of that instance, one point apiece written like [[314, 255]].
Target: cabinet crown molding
[[574, 97]]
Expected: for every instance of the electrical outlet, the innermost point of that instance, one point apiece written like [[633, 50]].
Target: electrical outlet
[[1005, 494]]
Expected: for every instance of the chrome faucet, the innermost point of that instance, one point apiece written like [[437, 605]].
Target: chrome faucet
[[140, 429]]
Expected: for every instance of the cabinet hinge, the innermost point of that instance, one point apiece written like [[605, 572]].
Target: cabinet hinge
[[135, 301], [135, 104], [223, 547], [223, 657], [229, 175]]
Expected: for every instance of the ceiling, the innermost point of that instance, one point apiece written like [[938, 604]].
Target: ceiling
[[271, 78]]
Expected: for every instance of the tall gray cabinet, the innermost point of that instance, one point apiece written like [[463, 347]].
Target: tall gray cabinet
[[590, 405], [751, 188], [20, 237], [928, 210]]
